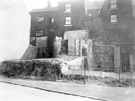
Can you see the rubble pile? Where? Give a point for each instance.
(30, 53)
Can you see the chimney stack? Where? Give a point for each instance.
(48, 3)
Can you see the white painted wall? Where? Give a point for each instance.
(14, 29)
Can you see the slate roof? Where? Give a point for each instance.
(44, 10)
(68, 0)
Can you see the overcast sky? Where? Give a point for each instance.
(36, 4)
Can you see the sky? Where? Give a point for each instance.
(37, 4)
(14, 29)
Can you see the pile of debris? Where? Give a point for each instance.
(30, 53)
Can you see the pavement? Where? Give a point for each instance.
(10, 92)
(91, 91)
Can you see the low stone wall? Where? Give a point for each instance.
(103, 56)
(45, 69)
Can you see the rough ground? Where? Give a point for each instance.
(50, 69)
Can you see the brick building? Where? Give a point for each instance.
(71, 14)
(118, 20)
(54, 21)
(44, 21)
(68, 15)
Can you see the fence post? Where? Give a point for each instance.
(119, 75)
(54, 72)
(85, 67)
(84, 76)
(14, 65)
(131, 76)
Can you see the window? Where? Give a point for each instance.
(68, 8)
(90, 15)
(68, 21)
(40, 19)
(51, 20)
(51, 30)
(113, 4)
(39, 33)
(133, 7)
(113, 18)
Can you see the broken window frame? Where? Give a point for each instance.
(52, 20)
(40, 19)
(39, 33)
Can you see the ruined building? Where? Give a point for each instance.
(68, 15)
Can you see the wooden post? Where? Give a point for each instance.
(85, 68)
(54, 72)
(131, 62)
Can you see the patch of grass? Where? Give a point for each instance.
(113, 82)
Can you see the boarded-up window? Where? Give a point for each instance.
(39, 33)
(40, 19)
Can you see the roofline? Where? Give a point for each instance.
(42, 10)
(102, 8)
(67, 1)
